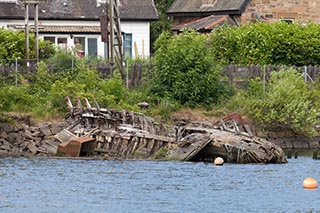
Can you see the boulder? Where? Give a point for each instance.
(45, 130)
(33, 149)
(3, 135)
(14, 138)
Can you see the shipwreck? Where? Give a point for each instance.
(131, 135)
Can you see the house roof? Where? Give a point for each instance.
(60, 29)
(231, 7)
(206, 24)
(130, 10)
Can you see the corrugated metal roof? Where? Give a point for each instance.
(217, 6)
(81, 9)
(205, 24)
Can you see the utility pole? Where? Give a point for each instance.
(26, 31)
(36, 18)
(36, 31)
(111, 27)
(111, 34)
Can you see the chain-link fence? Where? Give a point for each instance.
(135, 72)
(138, 71)
(239, 75)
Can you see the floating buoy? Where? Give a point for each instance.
(218, 161)
(310, 183)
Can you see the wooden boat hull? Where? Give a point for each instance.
(231, 147)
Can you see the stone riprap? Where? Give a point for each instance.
(25, 140)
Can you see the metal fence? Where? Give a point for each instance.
(236, 74)
(137, 72)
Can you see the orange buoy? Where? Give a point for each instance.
(310, 183)
(218, 161)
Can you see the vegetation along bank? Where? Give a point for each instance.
(185, 75)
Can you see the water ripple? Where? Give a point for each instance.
(60, 185)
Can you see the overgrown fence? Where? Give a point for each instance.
(237, 75)
(136, 73)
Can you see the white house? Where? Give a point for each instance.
(76, 24)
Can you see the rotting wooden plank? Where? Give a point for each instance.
(65, 136)
(190, 148)
(155, 137)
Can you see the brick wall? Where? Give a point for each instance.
(273, 10)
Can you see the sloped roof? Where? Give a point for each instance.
(205, 24)
(60, 29)
(235, 7)
(81, 9)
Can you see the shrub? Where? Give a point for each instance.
(12, 46)
(287, 101)
(185, 71)
(265, 43)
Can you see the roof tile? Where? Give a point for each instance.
(196, 6)
(81, 9)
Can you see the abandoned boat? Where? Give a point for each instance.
(123, 134)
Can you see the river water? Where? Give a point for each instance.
(64, 185)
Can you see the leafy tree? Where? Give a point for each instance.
(164, 22)
(12, 46)
(278, 43)
(185, 70)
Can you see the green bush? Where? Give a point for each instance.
(62, 62)
(13, 98)
(12, 46)
(185, 70)
(287, 101)
(265, 43)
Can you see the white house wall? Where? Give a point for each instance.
(140, 34)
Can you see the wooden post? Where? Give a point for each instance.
(136, 49)
(36, 42)
(142, 48)
(315, 153)
(289, 153)
(111, 30)
(26, 23)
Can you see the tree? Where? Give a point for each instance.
(278, 43)
(185, 70)
(164, 22)
(12, 46)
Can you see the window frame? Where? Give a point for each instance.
(127, 48)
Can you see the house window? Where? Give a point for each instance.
(80, 43)
(268, 15)
(127, 38)
(62, 42)
(51, 39)
(288, 20)
(92, 47)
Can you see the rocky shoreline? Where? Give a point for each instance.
(29, 139)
